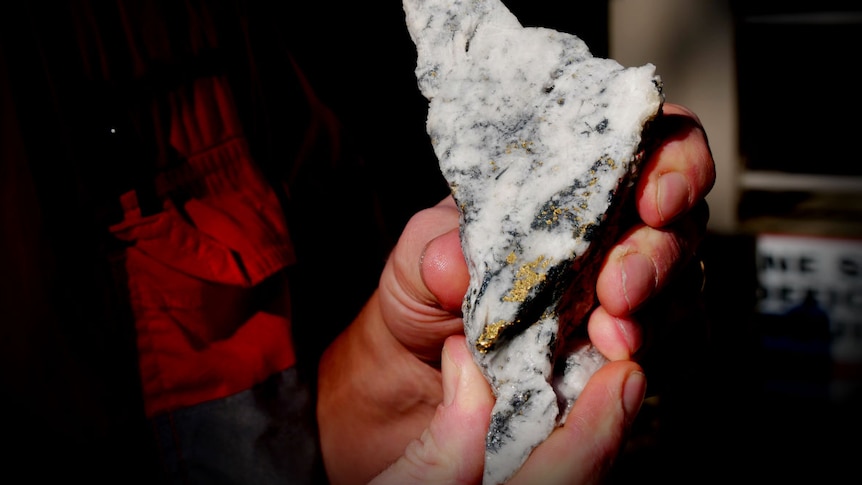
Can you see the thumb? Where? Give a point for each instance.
(452, 448)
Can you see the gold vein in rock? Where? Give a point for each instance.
(490, 334)
(527, 278)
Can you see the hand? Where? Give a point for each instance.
(373, 403)
(657, 249)
(452, 448)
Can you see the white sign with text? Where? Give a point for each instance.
(793, 270)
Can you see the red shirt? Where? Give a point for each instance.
(193, 270)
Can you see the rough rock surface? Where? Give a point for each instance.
(539, 142)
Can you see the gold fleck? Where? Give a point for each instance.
(557, 212)
(490, 335)
(526, 278)
(511, 258)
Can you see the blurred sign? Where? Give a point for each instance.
(816, 281)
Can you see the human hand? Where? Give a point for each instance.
(417, 307)
(452, 448)
(657, 249)
(673, 216)
(421, 303)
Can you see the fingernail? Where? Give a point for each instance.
(624, 331)
(638, 274)
(451, 377)
(633, 394)
(672, 195)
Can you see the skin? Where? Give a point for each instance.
(414, 410)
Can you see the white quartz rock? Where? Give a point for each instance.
(539, 142)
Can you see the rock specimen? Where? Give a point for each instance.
(539, 142)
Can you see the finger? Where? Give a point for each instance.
(679, 172)
(675, 326)
(583, 450)
(414, 311)
(444, 270)
(645, 259)
(452, 449)
(617, 338)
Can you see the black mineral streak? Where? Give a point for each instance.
(498, 432)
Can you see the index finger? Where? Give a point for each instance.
(679, 172)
